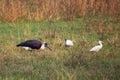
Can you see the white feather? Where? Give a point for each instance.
(42, 47)
(69, 43)
(26, 48)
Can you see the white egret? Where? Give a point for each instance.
(97, 48)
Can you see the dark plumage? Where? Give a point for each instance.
(33, 44)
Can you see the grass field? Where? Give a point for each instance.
(75, 63)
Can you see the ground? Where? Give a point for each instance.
(71, 63)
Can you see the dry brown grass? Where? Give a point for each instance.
(12, 10)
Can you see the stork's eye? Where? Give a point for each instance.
(46, 44)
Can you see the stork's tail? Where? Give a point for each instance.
(17, 45)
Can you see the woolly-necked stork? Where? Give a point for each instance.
(33, 44)
(68, 43)
(98, 47)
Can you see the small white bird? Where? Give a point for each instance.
(98, 47)
(68, 43)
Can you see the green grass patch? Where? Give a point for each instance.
(74, 63)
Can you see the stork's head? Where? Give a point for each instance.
(65, 40)
(46, 46)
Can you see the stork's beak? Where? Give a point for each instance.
(49, 48)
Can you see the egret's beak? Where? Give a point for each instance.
(49, 48)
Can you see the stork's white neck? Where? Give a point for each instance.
(43, 46)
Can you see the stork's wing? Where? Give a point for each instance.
(30, 43)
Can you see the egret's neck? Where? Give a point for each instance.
(100, 43)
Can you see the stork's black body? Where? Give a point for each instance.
(33, 44)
